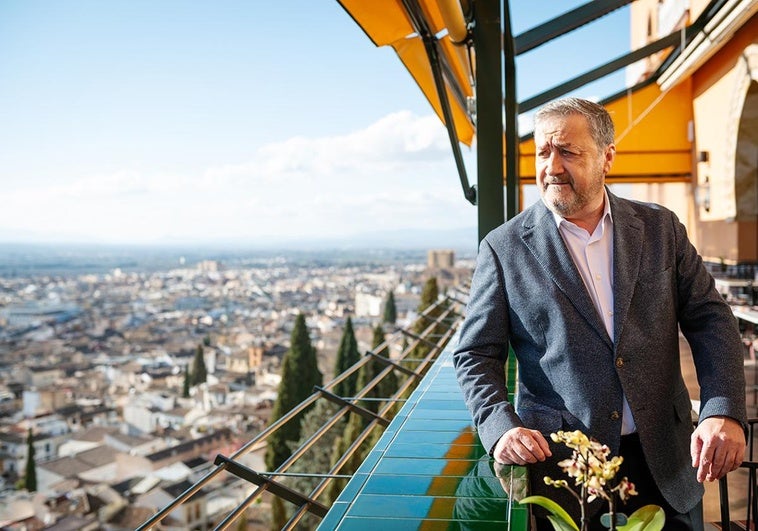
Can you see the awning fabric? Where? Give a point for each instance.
(652, 126)
(387, 23)
(413, 55)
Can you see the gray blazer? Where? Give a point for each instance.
(527, 292)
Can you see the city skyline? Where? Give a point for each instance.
(143, 123)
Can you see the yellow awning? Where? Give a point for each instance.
(383, 21)
(413, 55)
(387, 23)
(652, 126)
(652, 140)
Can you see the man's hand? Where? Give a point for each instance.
(717, 447)
(521, 446)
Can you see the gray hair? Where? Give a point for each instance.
(600, 122)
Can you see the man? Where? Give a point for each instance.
(590, 292)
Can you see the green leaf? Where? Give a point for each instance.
(560, 525)
(647, 518)
(561, 520)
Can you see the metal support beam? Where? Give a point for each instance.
(362, 411)
(436, 64)
(433, 318)
(388, 361)
(456, 299)
(565, 23)
(419, 338)
(241, 471)
(489, 115)
(600, 71)
(511, 119)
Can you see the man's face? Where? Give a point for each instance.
(570, 168)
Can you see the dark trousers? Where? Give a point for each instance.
(635, 468)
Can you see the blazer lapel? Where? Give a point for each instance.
(541, 237)
(628, 235)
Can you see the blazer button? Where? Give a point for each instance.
(619, 362)
(615, 415)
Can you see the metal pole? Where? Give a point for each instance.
(511, 118)
(489, 115)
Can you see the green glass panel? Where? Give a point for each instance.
(395, 506)
(370, 462)
(462, 509)
(447, 404)
(441, 414)
(396, 524)
(436, 425)
(436, 467)
(467, 435)
(430, 472)
(433, 451)
(333, 517)
(352, 488)
(412, 485)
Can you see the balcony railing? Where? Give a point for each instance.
(427, 336)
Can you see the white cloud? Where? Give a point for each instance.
(389, 144)
(396, 173)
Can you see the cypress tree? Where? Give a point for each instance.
(242, 522)
(30, 476)
(367, 373)
(300, 374)
(390, 310)
(357, 423)
(377, 339)
(186, 384)
(318, 459)
(429, 295)
(353, 428)
(389, 383)
(279, 514)
(199, 372)
(347, 356)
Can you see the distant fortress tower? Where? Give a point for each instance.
(440, 259)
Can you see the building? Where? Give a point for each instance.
(718, 75)
(368, 305)
(440, 259)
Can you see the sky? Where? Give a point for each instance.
(249, 122)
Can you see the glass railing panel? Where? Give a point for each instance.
(431, 471)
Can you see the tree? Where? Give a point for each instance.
(347, 356)
(242, 522)
(353, 428)
(318, 459)
(279, 514)
(30, 476)
(300, 374)
(199, 372)
(390, 310)
(187, 383)
(429, 295)
(367, 373)
(389, 383)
